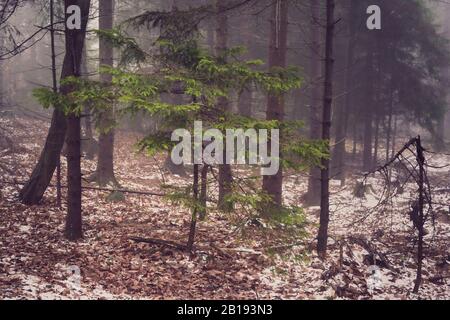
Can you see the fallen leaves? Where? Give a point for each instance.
(35, 258)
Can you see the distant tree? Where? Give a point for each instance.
(273, 185)
(225, 174)
(339, 155)
(105, 161)
(400, 74)
(322, 237)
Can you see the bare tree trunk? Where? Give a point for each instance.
(339, 152)
(313, 194)
(105, 163)
(368, 128)
(394, 137)
(203, 191)
(377, 132)
(225, 173)
(322, 237)
(389, 123)
(245, 96)
(273, 185)
(193, 226)
(55, 90)
(355, 138)
(74, 48)
(34, 189)
(420, 218)
(88, 145)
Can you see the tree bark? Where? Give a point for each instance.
(225, 173)
(420, 218)
(55, 90)
(394, 137)
(368, 113)
(339, 152)
(245, 96)
(74, 49)
(88, 145)
(389, 122)
(203, 191)
(273, 185)
(34, 189)
(193, 226)
(322, 237)
(376, 142)
(105, 162)
(313, 194)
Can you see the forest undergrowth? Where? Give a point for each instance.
(237, 255)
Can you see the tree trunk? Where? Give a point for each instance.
(55, 90)
(225, 173)
(245, 102)
(74, 49)
(368, 129)
(389, 122)
(313, 194)
(88, 145)
(420, 218)
(273, 185)
(105, 163)
(322, 237)
(377, 132)
(203, 191)
(195, 185)
(245, 96)
(394, 137)
(34, 189)
(339, 152)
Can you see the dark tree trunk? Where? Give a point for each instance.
(203, 191)
(322, 237)
(368, 114)
(273, 185)
(394, 137)
(195, 185)
(88, 145)
(377, 132)
(313, 194)
(420, 218)
(339, 152)
(225, 173)
(245, 96)
(55, 90)
(34, 189)
(245, 102)
(389, 123)
(74, 220)
(74, 49)
(355, 138)
(105, 165)
(439, 136)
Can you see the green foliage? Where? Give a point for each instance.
(182, 196)
(131, 52)
(152, 144)
(180, 66)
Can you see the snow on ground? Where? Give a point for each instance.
(233, 261)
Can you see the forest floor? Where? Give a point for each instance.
(233, 260)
